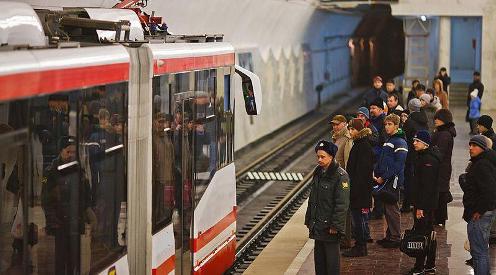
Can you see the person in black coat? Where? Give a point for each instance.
(417, 120)
(360, 167)
(479, 201)
(443, 138)
(425, 193)
(476, 84)
(444, 77)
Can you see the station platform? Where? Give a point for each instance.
(291, 252)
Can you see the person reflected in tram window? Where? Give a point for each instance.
(105, 179)
(163, 169)
(66, 204)
(202, 142)
(117, 122)
(52, 124)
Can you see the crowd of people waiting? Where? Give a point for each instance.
(409, 147)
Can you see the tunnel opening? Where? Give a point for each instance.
(377, 46)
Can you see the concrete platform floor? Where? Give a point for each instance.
(291, 252)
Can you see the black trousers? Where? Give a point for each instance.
(425, 226)
(326, 258)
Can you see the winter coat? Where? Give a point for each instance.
(360, 167)
(391, 162)
(474, 110)
(430, 111)
(443, 138)
(443, 99)
(372, 94)
(343, 140)
(416, 121)
(397, 110)
(479, 187)
(490, 134)
(475, 85)
(425, 187)
(328, 203)
(378, 123)
(163, 158)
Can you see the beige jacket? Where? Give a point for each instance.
(344, 142)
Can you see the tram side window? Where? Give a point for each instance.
(102, 149)
(164, 172)
(224, 116)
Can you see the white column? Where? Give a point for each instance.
(444, 42)
(488, 62)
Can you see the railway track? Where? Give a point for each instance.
(265, 206)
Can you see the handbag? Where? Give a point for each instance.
(388, 191)
(415, 244)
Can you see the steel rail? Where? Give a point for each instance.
(266, 221)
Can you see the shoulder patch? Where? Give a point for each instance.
(345, 184)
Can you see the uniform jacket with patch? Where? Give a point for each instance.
(328, 203)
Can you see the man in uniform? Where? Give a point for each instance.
(327, 208)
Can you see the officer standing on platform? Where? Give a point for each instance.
(327, 208)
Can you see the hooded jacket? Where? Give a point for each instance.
(430, 111)
(479, 186)
(360, 167)
(443, 138)
(425, 187)
(343, 140)
(391, 162)
(328, 203)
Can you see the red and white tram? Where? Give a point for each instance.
(116, 159)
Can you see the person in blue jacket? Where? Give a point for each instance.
(390, 167)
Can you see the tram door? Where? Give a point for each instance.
(184, 181)
(14, 164)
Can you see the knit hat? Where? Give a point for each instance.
(480, 141)
(426, 97)
(485, 121)
(356, 124)
(364, 111)
(444, 115)
(414, 105)
(378, 102)
(66, 141)
(327, 146)
(423, 136)
(338, 119)
(377, 78)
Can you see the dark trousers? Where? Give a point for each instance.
(326, 258)
(66, 251)
(441, 213)
(360, 226)
(378, 211)
(407, 186)
(424, 226)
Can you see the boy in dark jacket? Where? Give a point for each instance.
(425, 195)
(417, 120)
(360, 167)
(443, 138)
(485, 127)
(479, 201)
(390, 167)
(328, 206)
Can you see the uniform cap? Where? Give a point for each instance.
(327, 147)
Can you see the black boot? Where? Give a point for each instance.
(356, 251)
